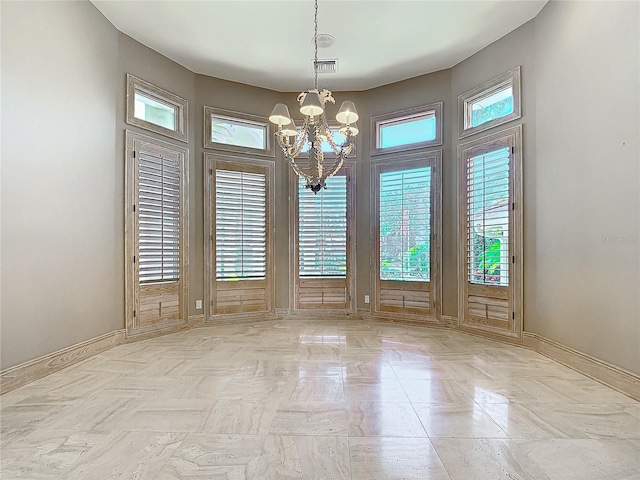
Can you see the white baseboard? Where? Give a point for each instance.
(196, 320)
(611, 375)
(27, 372)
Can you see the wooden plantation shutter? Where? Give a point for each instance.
(240, 212)
(406, 232)
(241, 225)
(156, 244)
(158, 218)
(322, 244)
(490, 233)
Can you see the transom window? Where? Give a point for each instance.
(406, 130)
(491, 104)
(237, 132)
(155, 109)
(242, 133)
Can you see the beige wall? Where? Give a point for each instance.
(63, 279)
(62, 235)
(581, 290)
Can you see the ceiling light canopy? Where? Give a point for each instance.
(315, 129)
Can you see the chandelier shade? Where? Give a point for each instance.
(280, 115)
(290, 130)
(347, 113)
(311, 106)
(315, 130)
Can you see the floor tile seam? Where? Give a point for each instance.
(444, 467)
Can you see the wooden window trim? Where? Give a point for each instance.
(349, 168)
(211, 160)
(180, 105)
(465, 100)
(134, 143)
(511, 137)
(380, 120)
(404, 162)
(268, 151)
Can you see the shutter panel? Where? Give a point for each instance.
(322, 245)
(158, 219)
(488, 203)
(241, 239)
(487, 255)
(241, 225)
(404, 224)
(322, 229)
(158, 238)
(489, 234)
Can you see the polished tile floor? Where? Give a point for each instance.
(319, 399)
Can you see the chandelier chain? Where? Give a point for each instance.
(315, 43)
(315, 130)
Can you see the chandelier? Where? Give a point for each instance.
(315, 129)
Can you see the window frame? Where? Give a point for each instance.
(409, 161)
(403, 116)
(267, 151)
(466, 100)
(211, 160)
(136, 142)
(348, 169)
(179, 104)
(511, 137)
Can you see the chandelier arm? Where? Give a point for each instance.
(333, 145)
(296, 169)
(333, 169)
(289, 155)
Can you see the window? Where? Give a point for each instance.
(322, 229)
(405, 224)
(406, 228)
(488, 217)
(239, 198)
(158, 218)
(491, 104)
(418, 127)
(156, 243)
(241, 228)
(155, 109)
(237, 132)
(338, 139)
(322, 245)
(491, 233)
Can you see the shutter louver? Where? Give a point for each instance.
(488, 207)
(158, 219)
(241, 230)
(322, 230)
(405, 225)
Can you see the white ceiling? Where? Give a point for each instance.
(268, 43)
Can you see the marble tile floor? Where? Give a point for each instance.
(319, 399)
